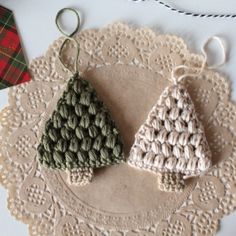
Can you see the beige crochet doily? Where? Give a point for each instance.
(129, 68)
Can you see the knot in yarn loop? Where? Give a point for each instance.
(175, 78)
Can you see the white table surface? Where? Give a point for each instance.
(35, 20)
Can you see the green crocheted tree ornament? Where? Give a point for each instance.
(80, 133)
(80, 136)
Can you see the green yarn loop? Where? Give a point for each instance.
(80, 132)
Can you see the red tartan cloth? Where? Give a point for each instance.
(13, 68)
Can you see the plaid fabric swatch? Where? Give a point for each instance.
(13, 68)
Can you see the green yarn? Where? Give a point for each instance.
(80, 132)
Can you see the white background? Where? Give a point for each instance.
(35, 20)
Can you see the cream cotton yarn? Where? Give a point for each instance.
(172, 141)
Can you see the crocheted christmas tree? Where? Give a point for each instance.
(80, 135)
(172, 142)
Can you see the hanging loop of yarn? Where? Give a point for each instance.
(76, 69)
(69, 37)
(59, 26)
(176, 78)
(223, 49)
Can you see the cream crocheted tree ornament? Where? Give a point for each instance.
(172, 141)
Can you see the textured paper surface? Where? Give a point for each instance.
(129, 68)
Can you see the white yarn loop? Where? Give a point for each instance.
(223, 48)
(177, 78)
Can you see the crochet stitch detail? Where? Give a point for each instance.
(170, 182)
(172, 139)
(80, 133)
(80, 176)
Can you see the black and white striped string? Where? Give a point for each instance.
(187, 13)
